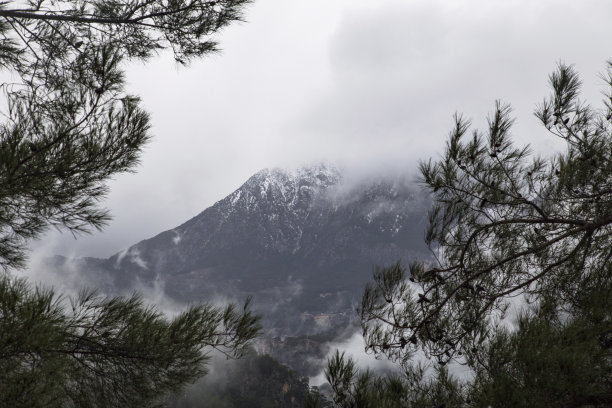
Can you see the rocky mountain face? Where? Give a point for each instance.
(302, 244)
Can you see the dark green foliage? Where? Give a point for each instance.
(69, 125)
(255, 381)
(93, 351)
(551, 360)
(356, 388)
(557, 355)
(503, 225)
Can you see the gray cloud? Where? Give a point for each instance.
(401, 70)
(371, 85)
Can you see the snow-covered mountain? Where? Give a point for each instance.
(301, 242)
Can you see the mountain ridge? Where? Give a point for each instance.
(300, 242)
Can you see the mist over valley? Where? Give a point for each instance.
(302, 243)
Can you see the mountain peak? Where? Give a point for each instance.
(320, 175)
(294, 239)
(294, 189)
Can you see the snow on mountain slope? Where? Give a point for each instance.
(297, 241)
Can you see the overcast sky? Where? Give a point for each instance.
(369, 84)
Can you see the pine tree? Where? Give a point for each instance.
(502, 225)
(70, 126)
(505, 224)
(95, 351)
(557, 355)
